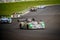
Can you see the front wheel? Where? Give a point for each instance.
(20, 25)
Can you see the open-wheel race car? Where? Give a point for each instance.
(33, 9)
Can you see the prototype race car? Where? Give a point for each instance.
(5, 20)
(32, 25)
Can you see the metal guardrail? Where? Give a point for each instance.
(7, 1)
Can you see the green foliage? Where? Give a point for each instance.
(9, 8)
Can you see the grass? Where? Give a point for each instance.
(10, 8)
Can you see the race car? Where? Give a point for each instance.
(31, 25)
(33, 9)
(5, 20)
(41, 6)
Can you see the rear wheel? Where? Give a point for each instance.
(27, 26)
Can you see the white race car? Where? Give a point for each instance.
(5, 20)
(41, 6)
(25, 25)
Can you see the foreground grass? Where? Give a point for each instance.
(9, 8)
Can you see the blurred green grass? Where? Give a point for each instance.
(9, 8)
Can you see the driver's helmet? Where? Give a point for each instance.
(29, 20)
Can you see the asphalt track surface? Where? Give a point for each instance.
(51, 16)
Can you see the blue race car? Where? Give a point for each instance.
(5, 20)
